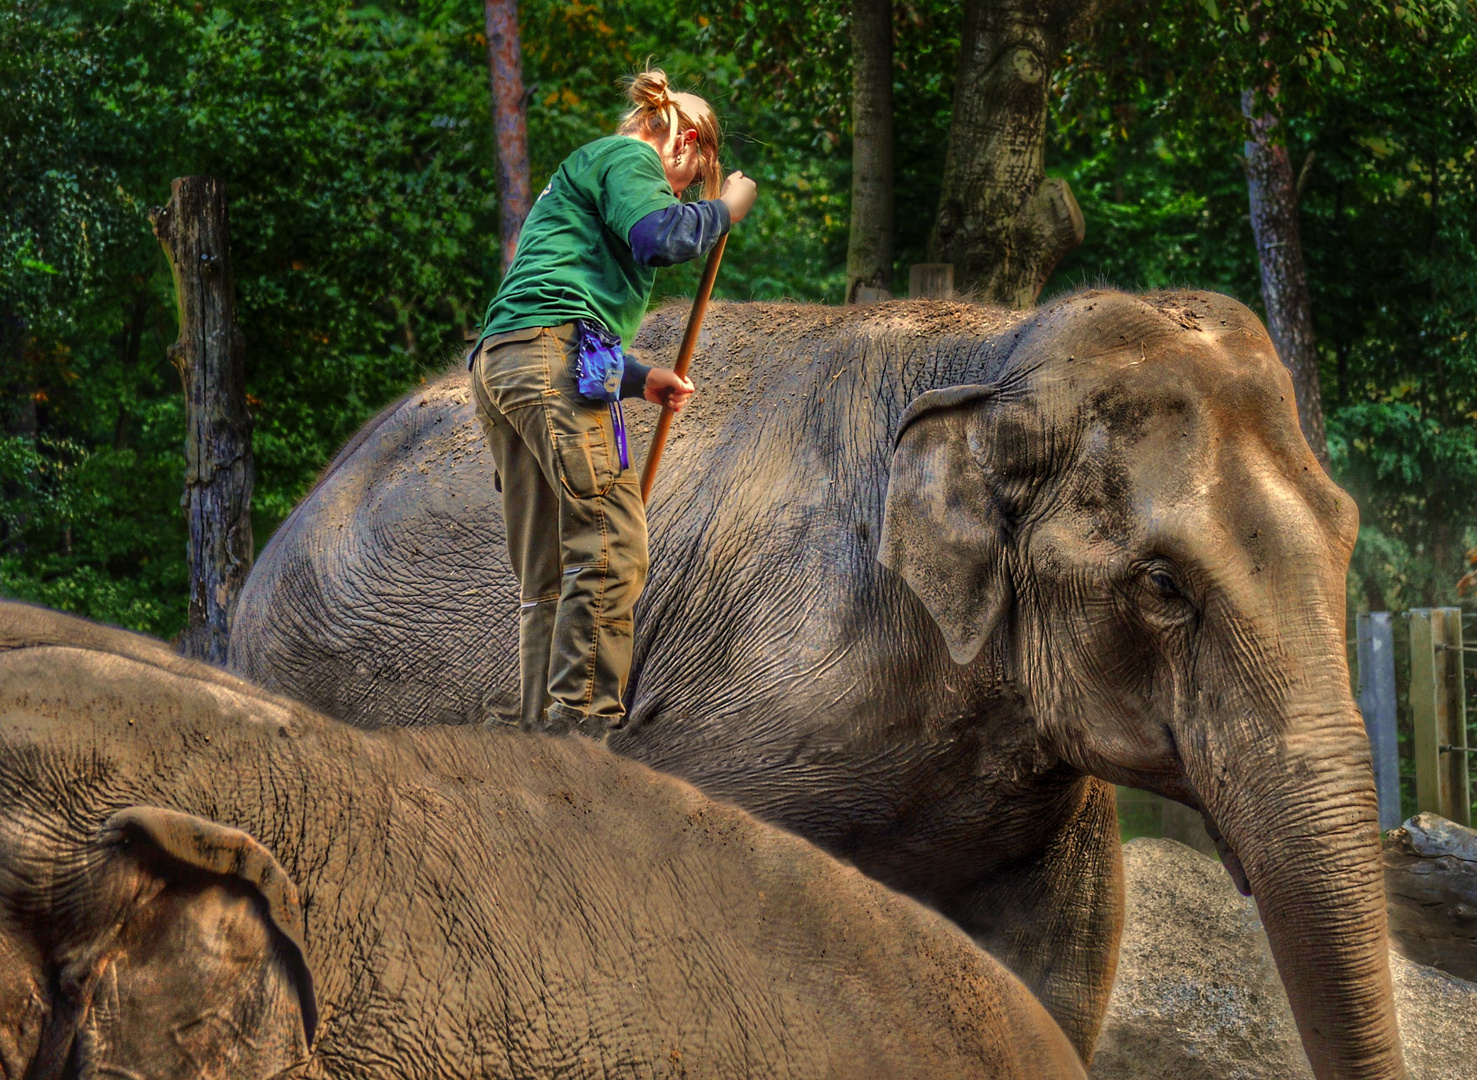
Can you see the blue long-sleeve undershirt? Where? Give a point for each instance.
(681, 232)
(633, 378)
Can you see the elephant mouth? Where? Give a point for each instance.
(1229, 859)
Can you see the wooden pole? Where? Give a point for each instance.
(1376, 637)
(1439, 714)
(684, 361)
(210, 355)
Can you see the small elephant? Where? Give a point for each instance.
(928, 579)
(199, 879)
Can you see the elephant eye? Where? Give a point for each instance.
(1167, 598)
(1164, 584)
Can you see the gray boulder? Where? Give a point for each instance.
(1198, 998)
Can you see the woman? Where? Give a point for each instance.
(548, 362)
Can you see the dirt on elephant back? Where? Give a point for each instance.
(753, 355)
(748, 355)
(767, 354)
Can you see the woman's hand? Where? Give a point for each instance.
(665, 387)
(739, 193)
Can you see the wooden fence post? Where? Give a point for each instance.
(1438, 710)
(1376, 636)
(193, 230)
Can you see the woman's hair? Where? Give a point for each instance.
(654, 111)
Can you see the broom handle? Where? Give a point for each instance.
(684, 360)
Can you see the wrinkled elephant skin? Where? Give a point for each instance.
(198, 879)
(928, 578)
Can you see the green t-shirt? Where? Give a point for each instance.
(574, 253)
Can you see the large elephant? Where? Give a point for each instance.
(928, 578)
(198, 879)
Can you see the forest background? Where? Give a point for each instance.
(357, 145)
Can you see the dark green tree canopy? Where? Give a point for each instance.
(356, 142)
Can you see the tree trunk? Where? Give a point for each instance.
(510, 119)
(1001, 222)
(869, 254)
(1274, 224)
(193, 230)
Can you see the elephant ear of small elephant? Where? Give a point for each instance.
(942, 529)
(236, 921)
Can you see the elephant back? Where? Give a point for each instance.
(387, 596)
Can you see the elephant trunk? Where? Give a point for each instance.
(1298, 807)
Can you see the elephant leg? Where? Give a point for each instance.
(1055, 919)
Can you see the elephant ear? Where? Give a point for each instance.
(944, 526)
(192, 961)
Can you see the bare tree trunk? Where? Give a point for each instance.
(869, 254)
(1272, 190)
(210, 355)
(510, 119)
(1001, 221)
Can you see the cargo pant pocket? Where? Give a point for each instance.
(583, 447)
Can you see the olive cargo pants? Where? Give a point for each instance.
(576, 529)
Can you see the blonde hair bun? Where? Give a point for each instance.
(649, 89)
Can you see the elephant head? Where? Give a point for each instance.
(179, 953)
(1129, 523)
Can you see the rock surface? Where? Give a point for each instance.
(1198, 997)
(1431, 889)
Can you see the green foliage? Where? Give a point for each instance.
(355, 150)
(356, 144)
(1397, 209)
(95, 542)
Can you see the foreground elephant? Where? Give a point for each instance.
(927, 579)
(201, 880)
